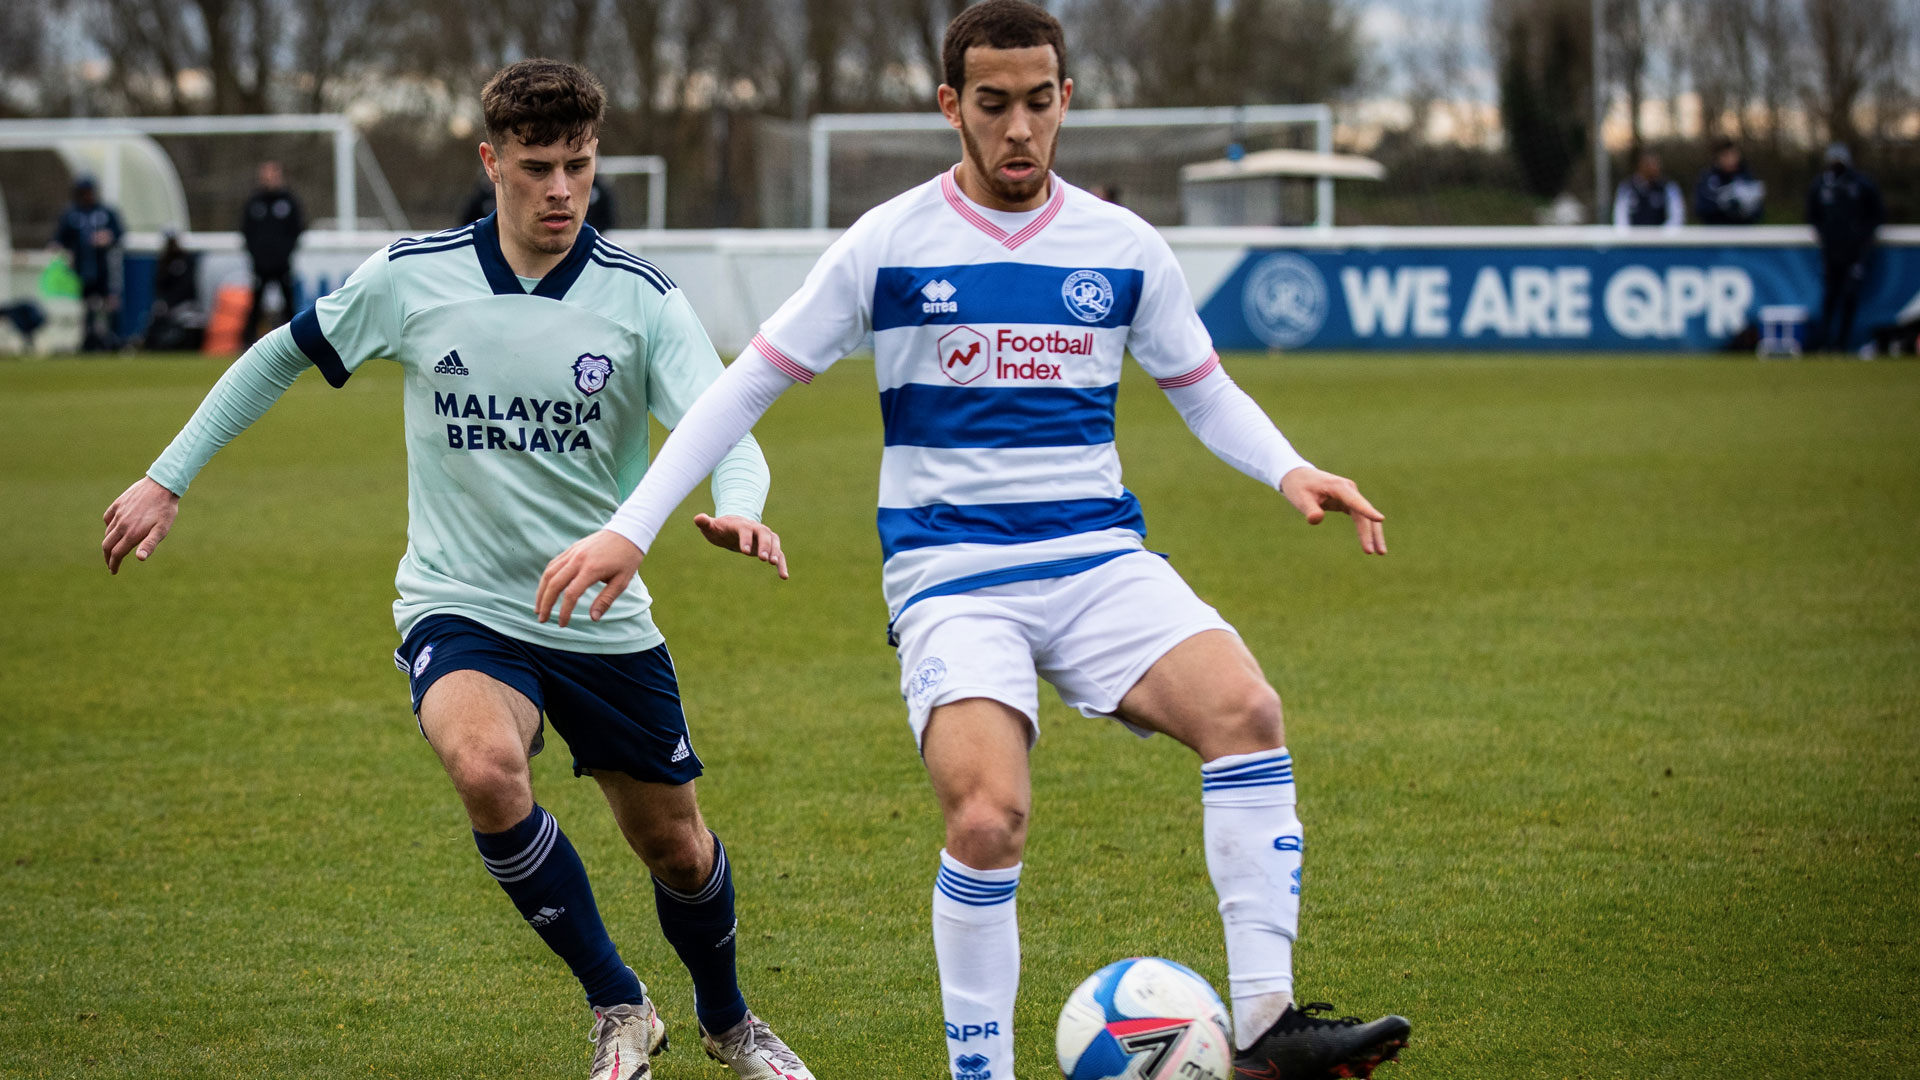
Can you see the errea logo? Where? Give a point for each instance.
(940, 301)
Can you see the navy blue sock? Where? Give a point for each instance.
(700, 927)
(543, 876)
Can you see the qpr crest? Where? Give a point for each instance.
(1285, 301)
(1089, 295)
(590, 373)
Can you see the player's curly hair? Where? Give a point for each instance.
(1000, 24)
(541, 102)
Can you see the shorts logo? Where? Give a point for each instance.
(1284, 301)
(964, 354)
(590, 373)
(1089, 295)
(420, 663)
(971, 1067)
(681, 752)
(926, 679)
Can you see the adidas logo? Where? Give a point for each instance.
(939, 294)
(681, 752)
(546, 915)
(450, 365)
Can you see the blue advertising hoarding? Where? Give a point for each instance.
(1433, 297)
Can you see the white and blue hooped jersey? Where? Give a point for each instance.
(998, 340)
(526, 407)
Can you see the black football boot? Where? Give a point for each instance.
(1303, 1045)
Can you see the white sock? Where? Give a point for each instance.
(1253, 855)
(976, 938)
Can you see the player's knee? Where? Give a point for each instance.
(1251, 720)
(987, 832)
(490, 778)
(678, 856)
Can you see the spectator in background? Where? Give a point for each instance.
(178, 322)
(1727, 193)
(271, 223)
(1648, 198)
(601, 212)
(480, 202)
(89, 233)
(1845, 211)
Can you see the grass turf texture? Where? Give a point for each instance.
(1610, 769)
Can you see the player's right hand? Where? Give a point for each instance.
(606, 556)
(140, 518)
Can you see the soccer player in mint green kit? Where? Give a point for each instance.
(533, 350)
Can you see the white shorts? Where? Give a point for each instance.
(1092, 635)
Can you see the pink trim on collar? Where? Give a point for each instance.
(964, 207)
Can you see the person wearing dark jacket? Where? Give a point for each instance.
(178, 321)
(1648, 198)
(89, 232)
(271, 223)
(1727, 193)
(1845, 210)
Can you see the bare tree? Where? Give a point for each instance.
(1854, 43)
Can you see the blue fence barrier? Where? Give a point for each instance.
(1641, 297)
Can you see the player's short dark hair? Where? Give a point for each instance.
(542, 102)
(1000, 24)
(1722, 144)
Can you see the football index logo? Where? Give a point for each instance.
(964, 354)
(450, 365)
(590, 373)
(940, 299)
(1089, 295)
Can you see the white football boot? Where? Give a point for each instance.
(754, 1052)
(625, 1038)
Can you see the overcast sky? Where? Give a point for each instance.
(1397, 29)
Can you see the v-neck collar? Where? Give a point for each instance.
(950, 188)
(500, 276)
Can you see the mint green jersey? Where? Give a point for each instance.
(526, 409)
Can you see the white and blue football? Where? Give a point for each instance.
(1144, 1019)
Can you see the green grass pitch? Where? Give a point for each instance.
(1612, 768)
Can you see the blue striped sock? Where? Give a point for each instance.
(543, 876)
(701, 927)
(976, 939)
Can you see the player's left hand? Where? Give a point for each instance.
(1314, 491)
(606, 556)
(746, 536)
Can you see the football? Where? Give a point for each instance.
(1143, 1019)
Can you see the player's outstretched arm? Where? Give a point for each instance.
(1232, 425)
(1314, 491)
(713, 426)
(143, 514)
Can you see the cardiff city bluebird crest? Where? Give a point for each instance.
(590, 373)
(1089, 295)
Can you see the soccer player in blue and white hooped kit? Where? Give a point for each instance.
(1001, 300)
(533, 351)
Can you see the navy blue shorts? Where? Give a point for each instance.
(618, 712)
